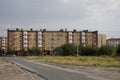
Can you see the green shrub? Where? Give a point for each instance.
(89, 51)
(65, 50)
(58, 51)
(71, 50)
(34, 51)
(118, 50)
(11, 52)
(68, 50)
(107, 50)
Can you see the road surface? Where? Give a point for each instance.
(52, 72)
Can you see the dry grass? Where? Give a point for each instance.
(105, 61)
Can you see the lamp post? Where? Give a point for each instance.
(77, 49)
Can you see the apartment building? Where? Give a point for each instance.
(53, 39)
(29, 39)
(89, 38)
(113, 42)
(19, 40)
(15, 40)
(85, 38)
(47, 41)
(101, 40)
(3, 43)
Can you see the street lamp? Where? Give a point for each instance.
(77, 50)
(78, 47)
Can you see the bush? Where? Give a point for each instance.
(25, 53)
(65, 50)
(118, 50)
(58, 51)
(89, 51)
(34, 51)
(11, 52)
(1, 51)
(107, 50)
(71, 50)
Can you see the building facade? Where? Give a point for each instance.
(19, 40)
(113, 42)
(15, 40)
(3, 43)
(101, 40)
(47, 41)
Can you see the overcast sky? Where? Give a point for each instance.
(101, 15)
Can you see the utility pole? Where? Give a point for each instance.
(77, 49)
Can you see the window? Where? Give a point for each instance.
(39, 34)
(52, 47)
(52, 38)
(52, 34)
(39, 39)
(25, 43)
(25, 38)
(60, 35)
(25, 34)
(51, 43)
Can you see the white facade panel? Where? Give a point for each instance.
(25, 45)
(83, 33)
(39, 33)
(3, 47)
(70, 37)
(39, 39)
(3, 44)
(3, 40)
(83, 40)
(83, 37)
(25, 32)
(25, 39)
(40, 45)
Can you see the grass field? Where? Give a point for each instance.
(104, 61)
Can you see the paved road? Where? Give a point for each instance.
(51, 72)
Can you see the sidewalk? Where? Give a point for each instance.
(10, 71)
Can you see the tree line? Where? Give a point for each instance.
(70, 50)
(30, 52)
(73, 50)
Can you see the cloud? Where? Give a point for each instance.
(80, 14)
(101, 10)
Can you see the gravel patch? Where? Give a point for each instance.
(10, 71)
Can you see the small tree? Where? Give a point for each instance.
(37, 51)
(107, 50)
(68, 50)
(80, 48)
(11, 52)
(58, 51)
(1, 51)
(25, 52)
(34, 51)
(118, 50)
(89, 51)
